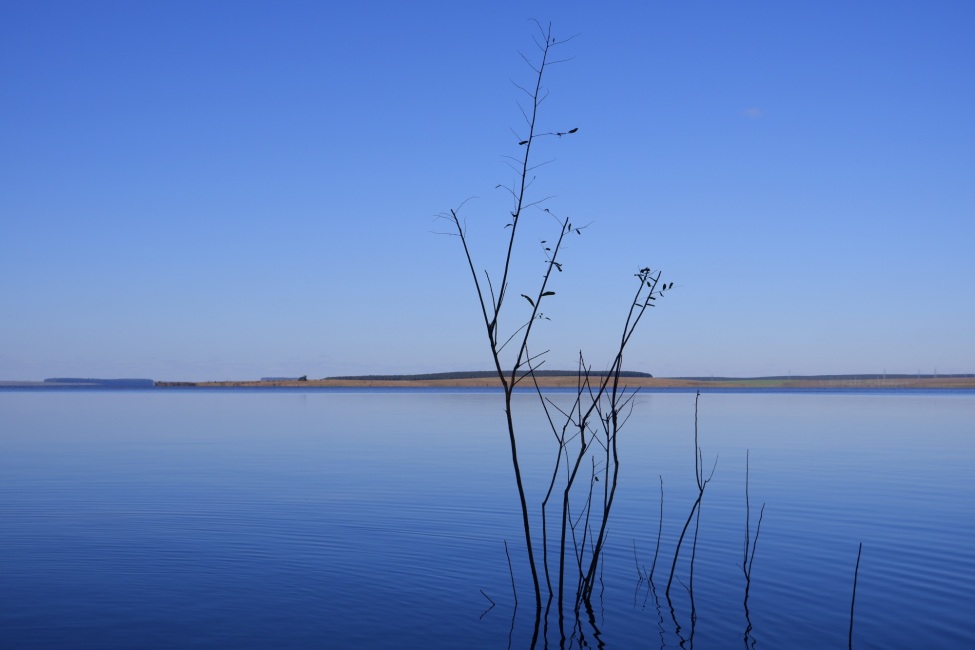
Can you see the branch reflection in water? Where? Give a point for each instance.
(580, 623)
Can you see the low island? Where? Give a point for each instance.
(569, 379)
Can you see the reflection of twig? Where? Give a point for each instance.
(690, 579)
(511, 572)
(636, 560)
(596, 633)
(854, 599)
(488, 597)
(673, 617)
(489, 608)
(660, 614)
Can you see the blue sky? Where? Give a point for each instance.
(230, 190)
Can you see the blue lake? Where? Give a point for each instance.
(367, 518)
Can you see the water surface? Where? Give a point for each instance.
(371, 518)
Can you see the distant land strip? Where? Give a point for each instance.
(547, 379)
(569, 379)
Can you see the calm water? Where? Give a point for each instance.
(344, 518)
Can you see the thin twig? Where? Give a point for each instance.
(660, 530)
(853, 600)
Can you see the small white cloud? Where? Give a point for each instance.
(753, 113)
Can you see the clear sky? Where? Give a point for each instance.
(230, 190)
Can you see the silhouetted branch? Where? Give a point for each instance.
(578, 437)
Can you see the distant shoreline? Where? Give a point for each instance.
(552, 379)
(571, 382)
